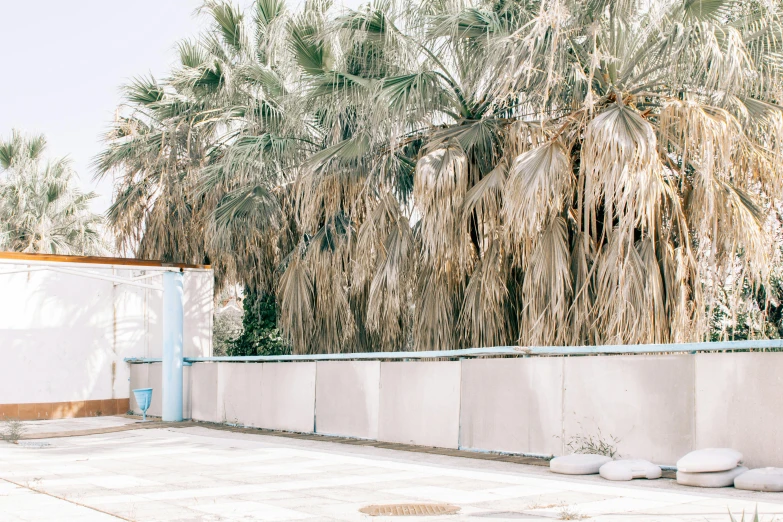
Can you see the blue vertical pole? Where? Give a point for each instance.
(173, 311)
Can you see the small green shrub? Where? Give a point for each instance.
(13, 430)
(755, 516)
(227, 328)
(260, 335)
(594, 445)
(567, 514)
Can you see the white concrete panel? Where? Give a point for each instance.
(347, 398)
(739, 405)
(239, 393)
(288, 396)
(186, 393)
(512, 405)
(204, 392)
(139, 378)
(155, 381)
(420, 403)
(644, 401)
(151, 376)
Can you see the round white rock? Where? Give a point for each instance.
(578, 464)
(714, 479)
(630, 469)
(709, 460)
(761, 479)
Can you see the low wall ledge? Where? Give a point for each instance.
(505, 351)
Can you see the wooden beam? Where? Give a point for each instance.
(93, 260)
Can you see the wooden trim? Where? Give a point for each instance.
(92, 260)
(64, 410)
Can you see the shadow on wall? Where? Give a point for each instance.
(197, 321)
(63, 340)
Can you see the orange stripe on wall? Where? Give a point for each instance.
(64, 410)
(91, 260)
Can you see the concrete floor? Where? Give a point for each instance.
(36, 428)
(202, 474)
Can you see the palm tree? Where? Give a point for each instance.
(437, 175)
(41, 208)
(171, 141)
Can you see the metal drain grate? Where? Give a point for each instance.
(407, 510)
(32, 444)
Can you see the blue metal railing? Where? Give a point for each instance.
(519, 351)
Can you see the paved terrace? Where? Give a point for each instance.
(105, 469)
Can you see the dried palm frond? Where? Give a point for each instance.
(539, 187)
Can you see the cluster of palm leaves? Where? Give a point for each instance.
(447, 173)
(42, 209)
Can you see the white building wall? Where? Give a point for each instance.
(63, 337)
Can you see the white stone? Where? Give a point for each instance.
(578, 464)
(630, 469)
(709, 460)
(714, 479)
(761, 479)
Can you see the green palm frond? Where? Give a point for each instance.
(266, 11)
(371, 23)
(346, 151)
(742, 519)
(252, 205)
(144, 91)
(420, 90)
(310, 53)
(229, 21)
(469, 23)
(191, 54)
(713, 10)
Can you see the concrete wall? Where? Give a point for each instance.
(512, 405)
(658, 407)
(646, 402)
(288, 396)
(274, 396)
(63, 337)
(420, 403)
(239, 391)
(347, 398)
(739, 404)
(204, 392)
(151, 376)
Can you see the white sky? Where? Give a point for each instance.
(63, 63)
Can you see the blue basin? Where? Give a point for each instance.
(143, 399)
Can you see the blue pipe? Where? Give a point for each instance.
(501, 350)
(173, 312)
